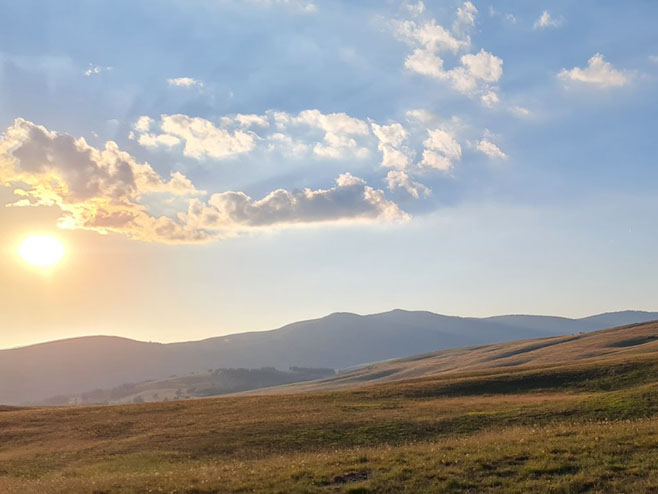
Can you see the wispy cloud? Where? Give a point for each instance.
(95, 70)
(185, 82)
(487, 147)
(545, 20)
(398, 179)
(520, 111)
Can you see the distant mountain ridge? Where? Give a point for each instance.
(340, 340)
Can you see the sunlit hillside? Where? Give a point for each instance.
(585, 422)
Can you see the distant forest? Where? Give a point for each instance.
(197, 385)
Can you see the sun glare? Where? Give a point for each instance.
(41, 250)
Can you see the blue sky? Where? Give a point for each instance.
(215, 166)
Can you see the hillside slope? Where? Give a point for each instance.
(337, 341)
(614, 343)
(584, 423)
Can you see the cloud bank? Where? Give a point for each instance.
(104, 190)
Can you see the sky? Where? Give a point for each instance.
(218, 166)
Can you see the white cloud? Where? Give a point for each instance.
(328, 136)
(489, 99)
(438, 161)
(545, 21)
(476, 73)
(483, 65)
(429, 35)
(201, 138)
(185, 82)
(490, 149)
(398, 179)
(287, 146)
(143, 124)
(426, 63)
(311, 133)
(471, 78)
(441, 150)
(339, 132)
(247, 121)
(444, 142)
(421, 115)
(391, 143)
(95, 70)
(156, 141)
(597, 73)
(653, 58)
(465, 18)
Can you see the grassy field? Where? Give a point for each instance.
(586, 426)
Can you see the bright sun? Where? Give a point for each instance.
(41, 250)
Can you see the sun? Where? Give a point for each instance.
(41, 250)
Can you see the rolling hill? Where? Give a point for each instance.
(624, 342)
(561, 415)
(338, 341)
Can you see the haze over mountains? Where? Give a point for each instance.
(338, 341)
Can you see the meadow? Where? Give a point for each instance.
(586, 426)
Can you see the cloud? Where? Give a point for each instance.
(441, 150)
(251, 120)
(202, 138)
(490, 149)
(96, 189)
(476, 73)
(465, 18)
(185, 82)
(327, 136)
(416, 9)
(520, 111)
(653, 58)
(483, 65)
(339, 131)
(509, 17)
(431, 36)
(597, 73)
(95, 70)
(143, 124)
(545, 21)
(391, 143)
(106, 190)
(421, 115)
(398, 179)
(350, 200)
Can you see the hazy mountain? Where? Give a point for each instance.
(337, 341)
